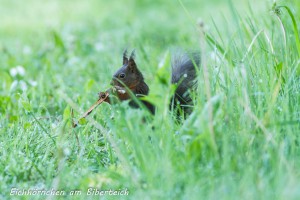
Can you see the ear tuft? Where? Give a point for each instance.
(125, 57)
(131, 62)
(132, 55)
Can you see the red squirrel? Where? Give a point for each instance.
(184, 73)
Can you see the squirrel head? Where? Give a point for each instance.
(128, 75)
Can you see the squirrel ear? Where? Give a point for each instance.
(131, 62)
(132, 55)
(125, 59)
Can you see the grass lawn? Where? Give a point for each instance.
(240, 142)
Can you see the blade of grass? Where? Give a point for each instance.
(295, 27)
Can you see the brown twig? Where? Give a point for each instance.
(102, 98)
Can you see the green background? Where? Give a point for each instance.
(241, 141)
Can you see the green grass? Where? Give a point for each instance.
(240, 142)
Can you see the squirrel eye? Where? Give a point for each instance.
(122, 75)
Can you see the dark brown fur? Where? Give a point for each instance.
(184, 74)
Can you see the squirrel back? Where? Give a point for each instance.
(184, 74)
